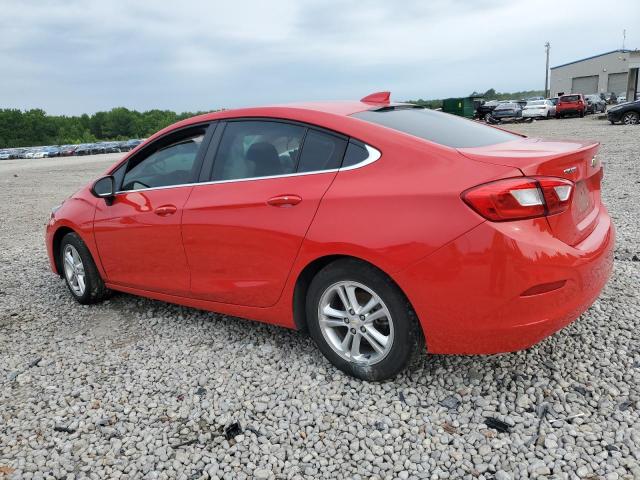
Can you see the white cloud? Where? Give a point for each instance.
(76, 56)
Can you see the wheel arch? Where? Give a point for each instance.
(55, 245)
(306, 276)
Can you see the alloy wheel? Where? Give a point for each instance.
(630, 118)
(74, 270)
(355, 322)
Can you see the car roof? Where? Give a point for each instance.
(303, 110)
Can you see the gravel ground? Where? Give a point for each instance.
(135, 388)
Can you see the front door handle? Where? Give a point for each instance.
(165, 210)
(284, 200)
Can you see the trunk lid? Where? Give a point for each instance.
(574, 160)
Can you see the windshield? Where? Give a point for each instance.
(570, 98)
(445, 129)
(536, 102)
(506, 106)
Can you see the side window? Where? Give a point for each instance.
(321, 151)
(356, 153)
(171, 163)
(253, 149)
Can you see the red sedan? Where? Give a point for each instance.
(376, 226)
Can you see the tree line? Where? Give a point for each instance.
(34, 127)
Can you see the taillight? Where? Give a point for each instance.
(520, 198)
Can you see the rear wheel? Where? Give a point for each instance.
(361, 321)
(80, 271)
(631, 118)
(582, 114)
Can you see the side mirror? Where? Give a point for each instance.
(105, 187)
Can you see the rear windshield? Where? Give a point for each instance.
(570, 98)
(437, 127)
(536, 102)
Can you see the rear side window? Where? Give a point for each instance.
(321, 151)
(356, 153)
(437, 127)
(254, 148)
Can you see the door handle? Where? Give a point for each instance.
(165, 210)
(284, 200)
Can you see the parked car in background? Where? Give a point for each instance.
(68, 150)
(539, 109)
(627, 113)
(84, 149)
(5, 155)
(531, 99)
(483, 112)
(52, 151)
(572, 104)
(622, 98)
(506, 112)
(595, 104)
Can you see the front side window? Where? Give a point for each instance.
(438, 127)
(171, 163)
(255, 148)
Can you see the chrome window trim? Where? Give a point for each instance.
(374, 154)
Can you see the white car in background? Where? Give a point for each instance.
(539, 109)
(622, 98)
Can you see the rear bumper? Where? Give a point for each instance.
(534, 114)
(468, 295)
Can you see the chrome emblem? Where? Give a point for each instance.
(594, 161)
(570, 170)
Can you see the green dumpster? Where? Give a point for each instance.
(459, 106)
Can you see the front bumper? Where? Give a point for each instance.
(469, 294)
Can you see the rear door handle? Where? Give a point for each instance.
(284, 200)
(165, 210)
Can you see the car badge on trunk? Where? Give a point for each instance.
(571, 170)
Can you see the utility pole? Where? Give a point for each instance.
(624, 37)
(547, 47)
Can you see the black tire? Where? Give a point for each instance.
(94, 288)
(582, 114)
(407, 335)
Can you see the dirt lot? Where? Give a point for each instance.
(135, 388)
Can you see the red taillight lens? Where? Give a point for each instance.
(520, 198)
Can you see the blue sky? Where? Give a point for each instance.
(77, 56)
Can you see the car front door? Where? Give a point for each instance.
(242, 230)
(139, 234)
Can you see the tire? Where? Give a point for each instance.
(82, 279)
(582, 114)
(396, 321)
(631, 118)
(487, 117)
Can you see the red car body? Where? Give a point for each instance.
(571, 104)
(245, 248)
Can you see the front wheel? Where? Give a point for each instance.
(631, 118)
(361, 321)
(80, 271)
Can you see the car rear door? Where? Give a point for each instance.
(139, 234)
(242, 230)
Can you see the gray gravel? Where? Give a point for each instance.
(135, 388)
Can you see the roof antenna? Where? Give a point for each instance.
(378, 97)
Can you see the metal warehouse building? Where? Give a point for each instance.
(607, 72)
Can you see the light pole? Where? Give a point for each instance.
(547, 47)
